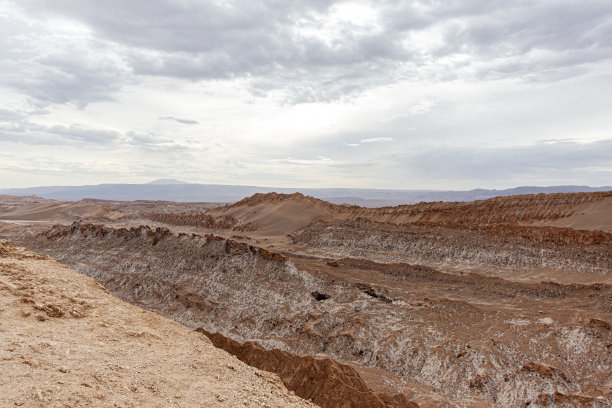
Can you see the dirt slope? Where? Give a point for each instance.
(532, 254)
(585, 210)
(57, 211)
(278, 214)
(324, 381)
(6, 199)
(66, 342)
(597, 216)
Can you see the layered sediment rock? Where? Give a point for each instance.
(193, 219)
(323, 381)
(450, 246)
(464, 340)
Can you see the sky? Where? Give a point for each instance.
(321, 93)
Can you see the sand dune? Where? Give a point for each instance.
(279, 214)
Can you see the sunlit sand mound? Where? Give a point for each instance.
(67, 342)
(592, 216)
(278, 214)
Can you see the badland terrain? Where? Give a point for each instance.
(504, 302)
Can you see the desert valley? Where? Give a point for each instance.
(505, 302)
(316, 203)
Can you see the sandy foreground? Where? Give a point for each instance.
(67, 342)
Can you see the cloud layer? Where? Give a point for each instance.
(403, 94)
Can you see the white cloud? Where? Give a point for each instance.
(180, 120)
(318, 92)
(377, 140)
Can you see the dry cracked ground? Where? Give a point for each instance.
(504, 302)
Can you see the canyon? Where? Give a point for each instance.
(505, 302)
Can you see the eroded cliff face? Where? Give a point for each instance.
(192, 219)
(324, 381)
(456, 340)
(509, 251)
(520, 209)
(524, 210)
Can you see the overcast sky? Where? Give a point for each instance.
(381, 94)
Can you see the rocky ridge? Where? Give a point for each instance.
(438, 333)
(193, 219)
(521, 209)
(323, 381)
(532, 253)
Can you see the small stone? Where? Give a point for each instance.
(221, 398)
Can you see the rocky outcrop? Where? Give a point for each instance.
(554, 235)
(193, 219)
(498, 210)
(323, 381)
(494, 247)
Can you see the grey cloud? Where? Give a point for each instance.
(74, 135)
(333, 83)
(78, 133)
(36, 134)
(179, 120)
(266, 42)
(153, 143)
(260, 40)
(146, 139)
(190, 26)
(562, 159)
(30, 139)
(96, 171)
(516, 39)
(320, 160)
(8, 115)
(547, 162)
(55, 68)
(49, 167)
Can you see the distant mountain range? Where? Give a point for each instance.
(175, 190)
